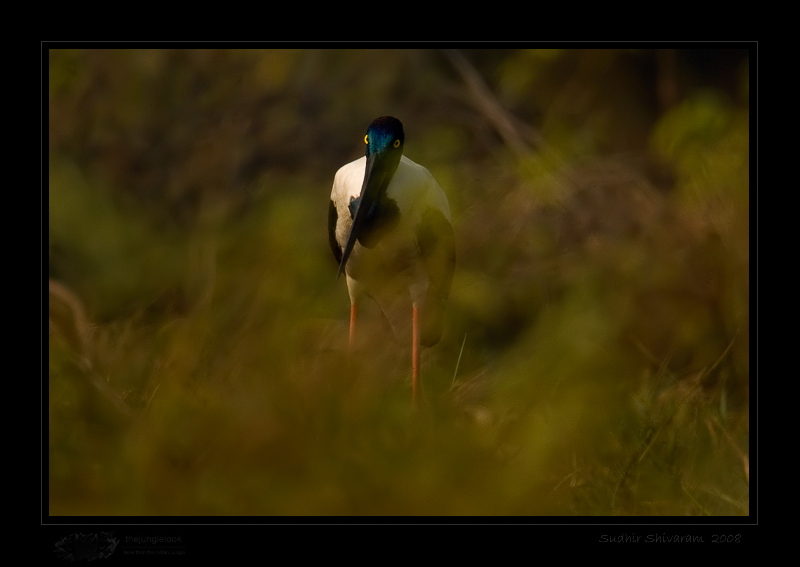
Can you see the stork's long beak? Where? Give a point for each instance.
(377, 175)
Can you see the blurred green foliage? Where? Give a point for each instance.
(596, 353)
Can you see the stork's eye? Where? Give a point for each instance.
(366, 139)
(397, 143)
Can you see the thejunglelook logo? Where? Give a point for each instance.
(86, 546)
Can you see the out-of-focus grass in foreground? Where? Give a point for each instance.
(596, 353)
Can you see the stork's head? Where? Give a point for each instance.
(385, 138)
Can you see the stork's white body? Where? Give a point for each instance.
(403, 279)
(390, 231)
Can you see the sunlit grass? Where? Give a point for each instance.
(248, 403)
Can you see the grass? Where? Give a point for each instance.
(245, 402)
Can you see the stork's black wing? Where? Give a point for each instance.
(333, 218)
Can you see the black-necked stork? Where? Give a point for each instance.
(390, 231)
